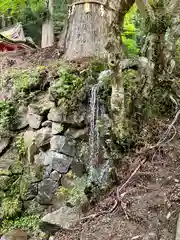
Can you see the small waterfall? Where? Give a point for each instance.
(94, 138)
(94, 133)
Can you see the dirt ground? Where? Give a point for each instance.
(149, 208)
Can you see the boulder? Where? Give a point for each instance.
(43, 136)
(42, 105)
(65, 217)
(47, 171)
(55, 176)
(28, 137)
(58, 115)
(32, 192)
(60, 162)
(49, 228)
(4, 143)
(46, 191)
(47, 124)
(22, 119)
(77, 133)
(32, 206)
(39, 158)
(34, 120)
(53, 161)
(61, 144)
(57, 128)
(33, 108)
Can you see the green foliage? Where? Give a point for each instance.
(59, 15)
(74, 194)
(18, 9)
(4, 180)
(10, 207)
(68, 89)
(26, 222)
(129, 36)
(20, 145)
(96, 66)
(24, 79)
(8, 115)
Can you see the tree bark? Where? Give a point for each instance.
(47, 28)
(87, 31)
(88, 28)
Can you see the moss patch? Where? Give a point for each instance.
(27, 222)
(8, 115)
(68, 89)
(74, 193)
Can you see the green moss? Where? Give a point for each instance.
(30, 175)
(27, 222)
(96, 66)
(8, 114)
(24, 79)
(4, 181)
(11, 207)
(20, 146)
(17, 167)
(75, 194)
(68, 89)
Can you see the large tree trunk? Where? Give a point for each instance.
(47, 28)
(87, 29)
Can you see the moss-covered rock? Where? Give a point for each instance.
(72, 190)
(69, 89)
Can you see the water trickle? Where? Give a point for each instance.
(94, 133)
(94, 138)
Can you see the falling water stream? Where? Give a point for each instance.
(95, 113)
(94, 133)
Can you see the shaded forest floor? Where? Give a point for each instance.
(150, 202)
(149, 208)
